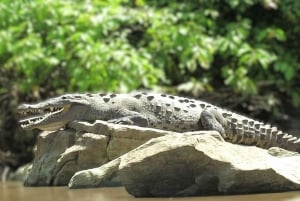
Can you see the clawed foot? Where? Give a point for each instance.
(122, 121)
(137, 120)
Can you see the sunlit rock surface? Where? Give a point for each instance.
(198, 163)
(189, 165)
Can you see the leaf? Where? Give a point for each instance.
(204, 58)
(280, 34)
(286, 69)
(296, 98)
(265, 58)
(245, 48)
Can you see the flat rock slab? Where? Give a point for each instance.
(190, 165)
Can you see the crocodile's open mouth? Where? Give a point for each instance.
(33, 117)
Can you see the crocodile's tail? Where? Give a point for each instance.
(242, 130)
(288, 142)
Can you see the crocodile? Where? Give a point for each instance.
(160, 111)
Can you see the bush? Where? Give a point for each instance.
(68, 45)
(249, 46)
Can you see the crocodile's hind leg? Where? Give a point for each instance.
(132, 118)
(211, 119)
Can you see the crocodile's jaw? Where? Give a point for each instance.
(47, 127)
(48, 118)
(54, 113)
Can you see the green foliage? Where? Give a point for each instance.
(250, 46)
(73, 46)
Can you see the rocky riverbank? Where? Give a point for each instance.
(151, 163)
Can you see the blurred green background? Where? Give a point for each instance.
(242, 55)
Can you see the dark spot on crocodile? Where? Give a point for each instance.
(168, 113)
(233, 128)
(234, 120)
(112, 95)
(168, 104)
(89, 95)
(274, 133)
(226, 114)
(202, 105)
(77, 96)
(150, 98)
(168, 121)
(172, 97)
(163, 95)
(106, 99)
(113, 102)
(165, 128)
(64, 97)
(245, 121)
(279, 134)
(192, 105)
(177, 108)
(257, 126)
(144, 93)
(239, 125)
(138, 96)
(158, 109)
(181, 100)
(186, 100)
(185, 111)
(102, 94)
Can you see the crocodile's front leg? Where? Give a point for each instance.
(212, 119)
(133, 118)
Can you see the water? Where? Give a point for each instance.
(13, 191)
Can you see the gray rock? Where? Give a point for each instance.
(62, 153)
(197, 163)
(21, 173)
(150, 162)
(121, 138)
(189, 165)
(82, 146)
(107, 175)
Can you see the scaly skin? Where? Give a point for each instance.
(159, 111)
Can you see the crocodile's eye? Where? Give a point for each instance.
(64, 97)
